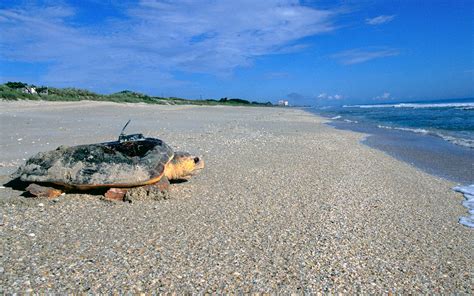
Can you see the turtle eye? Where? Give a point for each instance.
(196, 159)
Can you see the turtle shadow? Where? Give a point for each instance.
(178, 181)
(19, 185)
(16, 184)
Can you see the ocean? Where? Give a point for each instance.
(435, 136)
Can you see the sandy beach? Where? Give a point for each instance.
(285, 204)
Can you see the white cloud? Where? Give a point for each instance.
(381, 19)
(357, 56)
(156, 39)
(384, 96)
(322, 95)
(325, 96)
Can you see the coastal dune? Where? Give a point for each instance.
(285, 204)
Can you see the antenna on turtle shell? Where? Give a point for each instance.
(122, 133)
(129, 138)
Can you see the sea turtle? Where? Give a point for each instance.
(120, 167)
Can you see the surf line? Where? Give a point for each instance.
(468, 192)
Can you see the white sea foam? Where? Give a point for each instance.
(466, 106)
(468, 192)
(351, 121)
(458, 141)
(414, 130)
(336, 117)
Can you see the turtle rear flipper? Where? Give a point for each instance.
(43, 191)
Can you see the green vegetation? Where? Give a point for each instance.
(23, 91)
(15, 85)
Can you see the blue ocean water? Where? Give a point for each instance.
(450, 120)
(436, 136)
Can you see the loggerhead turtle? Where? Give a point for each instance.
(133, 162)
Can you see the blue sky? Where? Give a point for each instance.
(309, 52)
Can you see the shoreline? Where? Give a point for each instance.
(285, 204)
(426, 152)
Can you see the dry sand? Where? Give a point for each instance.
(285, 204)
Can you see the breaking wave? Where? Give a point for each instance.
(455, 140)
(351, 121)
(463, 106)
(468, 192)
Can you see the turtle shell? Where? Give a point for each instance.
(127, 163)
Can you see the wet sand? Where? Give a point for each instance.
(285, 204)
(431, 154)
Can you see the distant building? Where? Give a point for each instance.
(29, 90)
(283, 103)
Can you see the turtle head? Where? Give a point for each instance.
(183, 166)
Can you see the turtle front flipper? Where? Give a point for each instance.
(116, 194)
(43, 191)
(162, 185)
(156, 191)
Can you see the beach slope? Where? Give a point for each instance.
(285, 204)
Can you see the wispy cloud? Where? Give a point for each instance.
(156, 38)
(384, 96)
(357, 56)
(378, 20)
